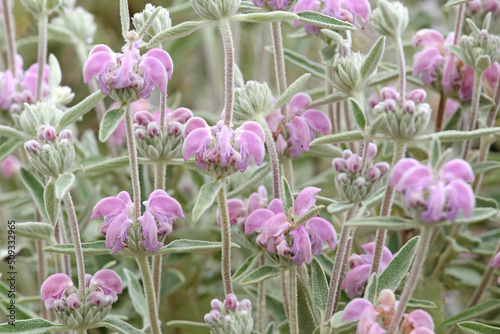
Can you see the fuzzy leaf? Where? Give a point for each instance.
(289, 92)
(332, 98)
(257, 176)
(397, 269)
(454, 121)
(459, 135)
(106, 165)
(388, 223)
(247, 265)
(456, 2)
(8, 131)
(302, 62)
(124, 18)
(88, 248)
(206, 197)
(485, 166)
(288, 200)
(35, 187)
(260, 274)
(266, 17)
(323, 21)
(55, 75)
(51, 202)
(418, 303)
(31, 326)
(110, 122)
(435, 151)
(306, 316)
(80, 109)
(339, 207)
(319, 285)
(371, 291)
(374, 198)
(63, 185)
(188, 325)
(180, 30)
(35, 230)
(478, 215)
(119, 326)
(473, 312)
(358, 113)
(343, 137)
(136, 294)
(191, 246)
(373, 59)
(9, 146)
(478, 328)
(329, 54)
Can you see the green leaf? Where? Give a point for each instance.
(51, 202)
(9, 146)
(88, 248)
(319, 285)
(478, 215)
(473, 312)
(371, 291)
(478, 328)
(136, 294)
(110, 122)
(306, 315)
(266, 17)
(302, 62)
(35, 187)
(358, 113)
(383, 77)
(106, 165)
(36, 230)
(485, 166)
(188, 325)
(8, 131)
(332, 98)
(172, 280)
(454, 120)
(458, 135)
(309, 214)
(190, 246)
(148, 22)
(80, 109)
(373, 59)
(343, 137)
(387, 223)
(124, 18)
(418, 303)
(31, 326)
(270, 328)
(288, 200)
(55, 75)
(260, 274)
(63, 184)
(435, 151)
(375, 198)
(339, 207)
(119, 326)
(206, 197)
(257, 176)
(456, 2)
(180, 30)
(289, 92)
(340, 326)
(329, 54)
(323, 21)
(397, 269)
(247, 265)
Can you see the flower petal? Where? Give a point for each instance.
(108, 207)
(164, 58)
(257, 219)
(321, 230)
(251, 143)
(193, 124)
(401, 168)
(428, 37)
(299, 103)
(107, 280)
(117, 233)
(301, 247)
(196, 141)
(354, 309)
(253, 127)
(305, 200)
(415, 178)
(149, 233)
(156, 71)
(457, 169)
(55, 286)
(96, 64)
(460, 196)
(318, 121)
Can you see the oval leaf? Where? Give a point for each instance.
(323, 21)
(473, 312)
(51, 202)
(478, 328)
(35, 187)
(289, 93)
(136, 294)
(77, 111)
(206, 198)
(260, 274)
(319, 285)
(373, 59)
(36, 230)
(88, 248)
(63, 184)
(119, 326)
(31, 326)
(358, 113)
(109, 123)
(180, 30)
(191, 246)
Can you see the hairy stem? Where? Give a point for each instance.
(402, 70)
(284, 292)
(440, 112)
(75, 234)
(261, 300)
(42, 274)
(385, 211)
(279, 62)
(486, 280)
(134, 165)
(10, 36)
(163, 111)
(328, 91)
(411, 283)
(288, 172)
(345, 260)
(228, 44)
(474, 109)
(273, 156)
(159, 183)
(149, 292)
(226, 240)
(42, 52)
(292, 284)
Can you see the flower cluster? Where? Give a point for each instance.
(480, 49)
(360, 268)
(128, 76)
(437, 61)
(476, 6)
(220, 149)
(157, 221)
(51, 154)
(230, 316)
(356, 176)
(301, 128)
(292, 235)
(101, 291)
(369, 315)
(15, 91)
(156, 143)
(405, 121)
(345, 10)
(435, 194)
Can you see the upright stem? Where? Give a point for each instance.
(159, 178)
(459, 22)
(343, 269)
(440, 113)
(149, 292)
(328, 91)
(273, 156)
(42, 274)
(261, 300)
(485, 282)
(134, 165)
(279, 62)
(163, 111)
(284, 292)
(159, 183)
(226, 240)
(337, 268)
(293, 318)
(211, 57)
(227, 41)
(10, 35)
(288, 172)
(385, 211)
(402, 70)
(42, 52)
(75, 235)
(474, 109)
(411, 283)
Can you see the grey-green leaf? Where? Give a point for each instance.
(35, 230)
(247, 265)
(323, 21)
(206, 198)
(31, 326)
(35, 187)
(51, 202)
(456, 2)
(55, 75)
(8, 131)
(319, 285)
(358, 113)
(191, 246)
(288, 200)
(119, 326)
(80, 109)
(478, 328)
(373, 59)
(453, 135)
(110, 122)
(266, 17)
(260, 274)
(289, 92)
(88, 248)
(124, 18)
(435, 152)
(371, 291)
(180, 30)
(188, 325)
(136, 294)
(63, 184)
(473, 312)
(9, 146)
(388, 223)
(343, 137)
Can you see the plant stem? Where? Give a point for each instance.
(293, 318)
(440, 112)
(447, 254)
(261, 300)
(42, 52)
(226, 240)
(402, 70)
(279, 62)
(273, 156)
(284, 292)
(337, 268)
(159, 183)
(328, 91)
(411, 283)
(149, 292)
(134, 165)
(459, 22)
(345, 260)
(486, 280)
(227, 41)
(288, 172)
(75, 234)
(163, 111)
(159, 178)
(385, 211)
(474, 109)
(10, 36)
(42, 274)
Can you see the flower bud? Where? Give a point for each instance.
(390, 105)
(73, 301)
(480, 50)
(347, 73)
(59, 305)
(37, 7)
(143, 118)
(215, 9)
(389, 93)
(417, 95)
(383, 167)
(245, 304)
(217, 305)
(346, 154)
(161, 22)
(353, 164)
(359, 182)
(153, 129)
(231, 302)
(140, 133)
(77, 20)
(66, 134)
(252, 99)
(339, 164)
(32, 146)
(373, 173)
(371, 152)
(50, 133)
(281, 144)
(390, 18)
(175, 129)
(96, 298)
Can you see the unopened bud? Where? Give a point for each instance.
(339, 164)
(389, 93)
(161, 22)
(73, 301)
(231, 302)
(373, 174)
(59, 305)
(353, 163)
(143, 118)
(32, 146)
(153, 129)
(252, 99)
(417, 95)
(359, 182)
(95, 298)
(175, 129)
(215, 9)
(50, 133)
(390, 18)
(66, 134)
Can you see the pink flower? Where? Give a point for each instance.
(117, 71)
(436, 195)
(417, 322)
(10, 166)
(139, 105)
(164, 209)
(55, 288)
(239, 209)
(496, 261)
(275, 4)
(106, 281)
(364, 311)
(222, 146)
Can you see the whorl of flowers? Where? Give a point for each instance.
(230, 316)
